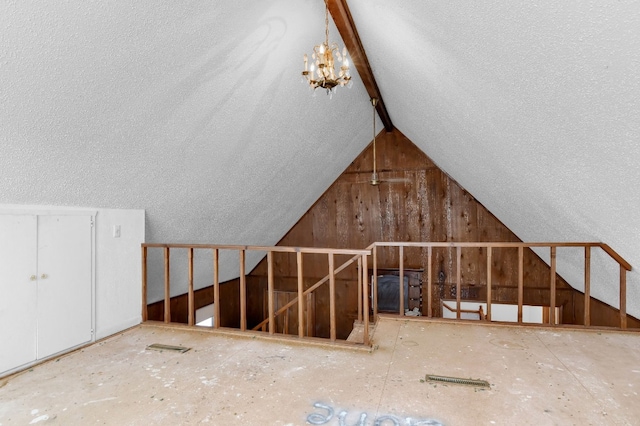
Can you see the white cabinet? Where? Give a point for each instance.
(46, 284)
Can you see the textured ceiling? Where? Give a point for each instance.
(195, 112)
(533, 107)
(192, 111)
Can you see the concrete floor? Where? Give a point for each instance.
(537, 376)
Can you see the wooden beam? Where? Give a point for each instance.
(587, 286)
(300, 295)
(552, 295)
(270, 287)
(429, 281)
(401, 278)
(216, 288)
(167, 285)
(347, 28)
(489, 281)
(332, 298)
(243, 292)
(365, 298)
(374, 285)
(623, 297)
(520, 282)
(145, 315)
(458, 279)
(359, 289)
(191, 298)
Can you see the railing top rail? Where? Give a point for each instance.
(614, 255)
(438, 244)
(484, 244)
(281, 249)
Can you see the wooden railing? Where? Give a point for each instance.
(624, 266)
(367, 305)
(359, 256)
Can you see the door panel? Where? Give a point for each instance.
(18, 292)
(64, 283)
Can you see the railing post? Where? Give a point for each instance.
(310, 310)
(359, 289)
(552, 295)
(587, 285)
(300, 295)
(270, 281)
(191, 309)
(167, 291)
(332, 298)
(216, 289)
(429, 282)
(458, 279)
(623, 298)
(365, 299)
(145, 314)
(520, 282)
(243, 292)
(489, 281)
(374, 285)
(401, 279)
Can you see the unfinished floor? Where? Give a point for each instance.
(537, 376)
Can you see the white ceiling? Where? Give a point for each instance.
(195, 112)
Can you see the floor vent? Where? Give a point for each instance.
(458, 381)
(160, 347)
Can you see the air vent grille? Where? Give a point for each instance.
(458, 381)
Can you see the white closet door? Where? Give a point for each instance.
(18, 290)
(64, 283)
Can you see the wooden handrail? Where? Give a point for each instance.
(275, 249)
(611, 252)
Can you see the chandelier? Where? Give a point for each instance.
(321, 72)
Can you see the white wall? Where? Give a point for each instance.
(118, 270)
(117, 264)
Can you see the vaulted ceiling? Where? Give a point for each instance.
(195, 112)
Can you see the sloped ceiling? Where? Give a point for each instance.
(195, 112)
(533, 107)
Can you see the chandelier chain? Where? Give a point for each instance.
(374, 101)
(326, 23)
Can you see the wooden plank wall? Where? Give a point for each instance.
(428, 206)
